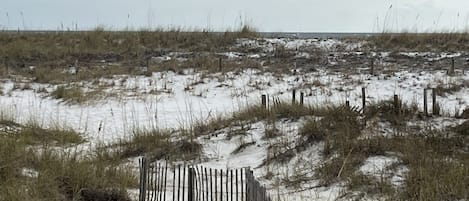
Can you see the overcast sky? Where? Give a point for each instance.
(265, 15)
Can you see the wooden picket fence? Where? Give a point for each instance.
(160, 181)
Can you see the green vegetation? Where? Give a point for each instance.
(32, 168)
(437, 161)
(102, 53)
(433, 42)
(75, 94)
(155, 144)
(71, 94)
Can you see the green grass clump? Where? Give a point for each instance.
(157, 144)
(313, 131)
(443, 90)
(131, 47)
(338, 127)
(438, 167)
(64, 174)
(463, 129)
(387, 111)
(69, 94)
(33, 134)
(338, 169)
(277, 111)
(44, 172)
(436, 179)
(405, 41)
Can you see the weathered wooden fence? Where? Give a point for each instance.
(160, 181)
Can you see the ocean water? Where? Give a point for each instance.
(299, 35)
(319, 35)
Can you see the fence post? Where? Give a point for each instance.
(143, 178)
(425, 103)
(6, 66)
(148, 64)
(372, 66)
(190, 186)
(363, 99)
(264, 101)
(220, 66)
(396, 104)
(302, 96)
(434, 103)
(451, 70)
(293, 100)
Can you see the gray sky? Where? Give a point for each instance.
(265, 15)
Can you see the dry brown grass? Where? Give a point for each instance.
(96, 52)
(434, 42)
(32, 167)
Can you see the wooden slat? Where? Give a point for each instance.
(161, 182)
(141, 191)
(227, 182)
(183, 182)
(203, 184)
(154, 182)
(236, 181)
(174, 183)
(165, 180)
(214, 191)
(242, 185)
(179, 182)
(231, 172)
(206, 184)
(221, 185)
(151, 184)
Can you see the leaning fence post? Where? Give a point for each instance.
(425, 103)
(363, 99)
(434, 103)
(302, 96)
